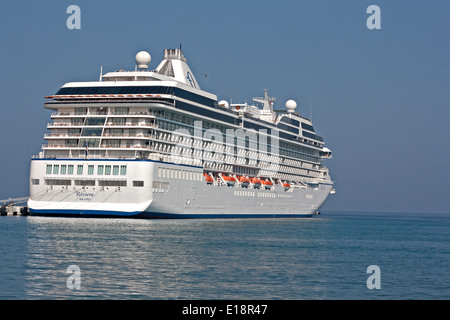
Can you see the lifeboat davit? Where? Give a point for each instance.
(256, 183)
(267, 184)
(244, 181)
(208, 178)
(229, 180)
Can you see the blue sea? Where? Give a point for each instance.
(324, 257)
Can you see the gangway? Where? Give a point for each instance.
(14, 201)
(14, 207)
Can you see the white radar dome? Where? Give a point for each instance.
(291, 105)
(224, 104)
(143, 59)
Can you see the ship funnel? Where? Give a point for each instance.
(175, 65)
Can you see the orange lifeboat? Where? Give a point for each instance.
(286, 185)
(208, 178)
(244, 181)
(256, 182)
(229, 180)
(267, 184)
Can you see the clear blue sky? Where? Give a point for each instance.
(380, 98)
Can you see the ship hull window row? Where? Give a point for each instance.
(107, 170)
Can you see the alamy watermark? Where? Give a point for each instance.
(374, 21)
(74, 280)
(214, 146)
(74, 20)
(374, 280)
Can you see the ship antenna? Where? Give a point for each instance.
(101, 73)
(310, 110)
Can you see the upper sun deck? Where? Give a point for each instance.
(173, 71)
(121, 87)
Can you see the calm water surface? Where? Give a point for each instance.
(325, 257)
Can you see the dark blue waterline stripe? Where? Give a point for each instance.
(83, 212)
(154, 215)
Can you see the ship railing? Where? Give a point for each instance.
(109, 124)
(62, 124)
(46, 135)
(99, 113)
(137, 135)
(125, 124)
(134, 146)
(107, 100)
(104, 146)
(81, 156)
(46, 145)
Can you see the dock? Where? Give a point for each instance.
(14, 207)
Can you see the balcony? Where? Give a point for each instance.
(61, 135)
(128, 125)
(107, 146)
(63, 124)
(102, 113)
(60, 146)
(128, 136)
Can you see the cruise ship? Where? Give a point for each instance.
(151, 144)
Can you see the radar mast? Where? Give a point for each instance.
(266, 101)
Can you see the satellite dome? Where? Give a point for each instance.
(143, 59)
(291, 105)
(224, 104)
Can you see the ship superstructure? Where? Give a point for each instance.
(153, 144)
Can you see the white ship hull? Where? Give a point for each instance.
(152, 189)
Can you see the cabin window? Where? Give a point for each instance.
(138, 183)
(122, 110)
(112, 183)
(80, 111)
(95, 121)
